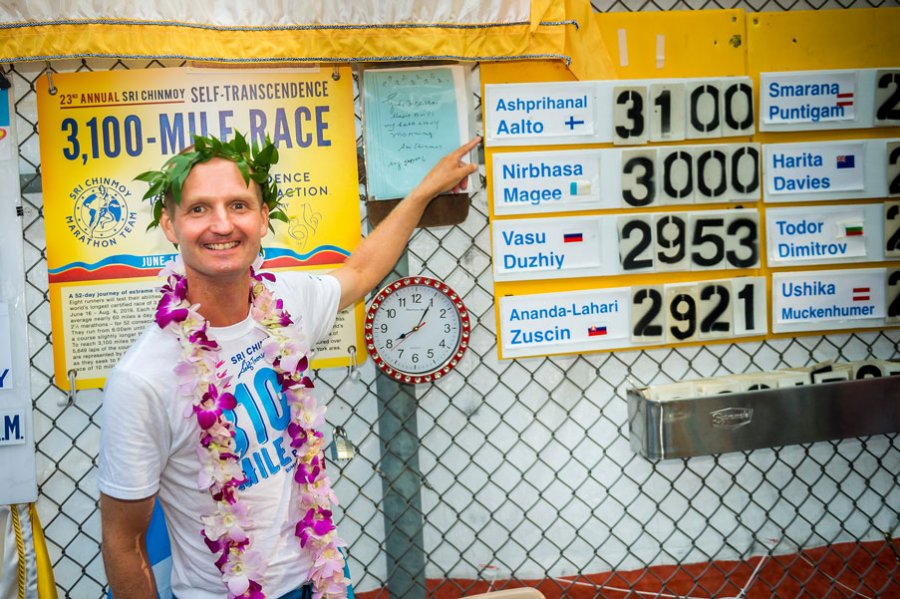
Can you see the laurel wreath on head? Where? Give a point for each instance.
(252, 161)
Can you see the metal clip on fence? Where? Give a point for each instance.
(353, 367)
(50, 87)
(70, 394)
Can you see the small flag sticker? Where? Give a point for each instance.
(573, 237)
(845, 99)
(596, 331)
(579, 188)
(853, 230)
(846, 161)
(861, 294)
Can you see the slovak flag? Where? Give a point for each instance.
(596, 331)
(846, 161)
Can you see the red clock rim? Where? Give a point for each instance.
(461, 347)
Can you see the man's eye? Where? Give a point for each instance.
(196, 209)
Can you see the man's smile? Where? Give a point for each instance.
(225, 245)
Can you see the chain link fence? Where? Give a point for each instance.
(521, 470)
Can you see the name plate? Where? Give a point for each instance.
(828, 170)
(547, 248)
(630, 317)
(615, 244)
(624, 112)
(826, 235)
(539, 182)
(552, 323)
(833, 99)
(528, 113)
(826, 300)
(808, 97)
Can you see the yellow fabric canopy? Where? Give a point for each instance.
(556, 30)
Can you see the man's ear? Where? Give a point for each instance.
(168, 227)
(264, 226)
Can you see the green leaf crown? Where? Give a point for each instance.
(253, 163)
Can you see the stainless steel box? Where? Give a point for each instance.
(768, 418)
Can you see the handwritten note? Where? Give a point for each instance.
(413, 118)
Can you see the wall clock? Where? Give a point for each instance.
(417, 329)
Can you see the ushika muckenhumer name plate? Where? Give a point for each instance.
(836, 299)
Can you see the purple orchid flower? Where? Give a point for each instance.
(206, 418)
(308, 474)
(309, 525)
(167, 311)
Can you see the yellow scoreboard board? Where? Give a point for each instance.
(739, 180)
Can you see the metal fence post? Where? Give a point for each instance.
(401, 481)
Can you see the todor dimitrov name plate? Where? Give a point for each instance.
(826, 235)
(824, 300)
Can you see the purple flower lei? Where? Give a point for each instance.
(203, 380)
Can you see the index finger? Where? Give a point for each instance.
(468, 146)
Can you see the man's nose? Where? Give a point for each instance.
(221, 221)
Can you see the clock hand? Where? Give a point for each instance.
(405, 336)
(427, 308)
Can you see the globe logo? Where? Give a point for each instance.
(100, 214)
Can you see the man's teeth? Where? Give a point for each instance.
(222, 246)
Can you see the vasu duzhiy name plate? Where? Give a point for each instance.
(825, 300)
(832, 170)
(834, 99)
(547, 248)
(826, 235)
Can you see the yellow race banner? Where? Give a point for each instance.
(101, 129)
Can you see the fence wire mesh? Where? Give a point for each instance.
(521, 470)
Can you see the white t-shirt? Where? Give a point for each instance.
(148, 446)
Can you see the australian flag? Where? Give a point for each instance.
(846, 161)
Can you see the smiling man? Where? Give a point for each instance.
(211, 411)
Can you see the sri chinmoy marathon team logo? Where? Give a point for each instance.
(100, 215)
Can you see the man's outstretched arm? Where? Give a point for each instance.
(124, 547)
(379, 251)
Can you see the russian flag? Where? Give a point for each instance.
(596, 331)
(573, 237)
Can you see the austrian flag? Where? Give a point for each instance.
(861, 294)
(845, 99)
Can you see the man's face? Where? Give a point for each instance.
(219, 224)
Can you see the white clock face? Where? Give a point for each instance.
(418, 329)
